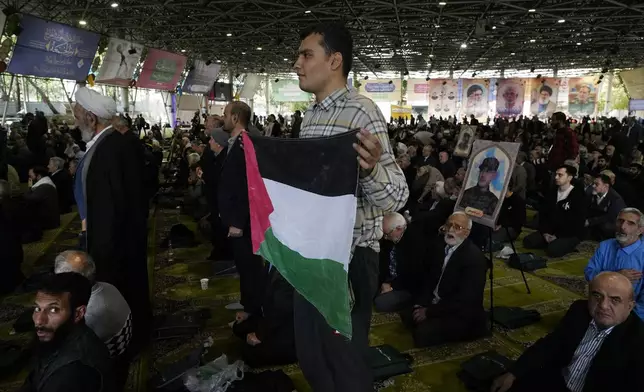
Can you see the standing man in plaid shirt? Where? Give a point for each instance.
(329, 361)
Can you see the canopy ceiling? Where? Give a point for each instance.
(389, 35)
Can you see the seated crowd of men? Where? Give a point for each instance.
(432, 265)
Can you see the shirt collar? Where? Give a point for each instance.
(604, 332)
(631, 248)
(90, 143)
(335, 96)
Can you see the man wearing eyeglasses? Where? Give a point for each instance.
(451, 307)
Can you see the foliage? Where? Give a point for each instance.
(619, 97)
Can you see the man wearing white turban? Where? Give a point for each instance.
(110, 197)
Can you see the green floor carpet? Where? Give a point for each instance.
(176, 287)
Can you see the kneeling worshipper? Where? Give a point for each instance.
(269, 337)
(596, 347)
(623, 254)
(109, 191)
(451, 307)
(69, 357)
(403, 256)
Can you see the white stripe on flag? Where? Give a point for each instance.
(315, 226)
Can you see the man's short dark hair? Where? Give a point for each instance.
(546, 89)
(336, 38)
(559, 116)
(242, 111)
(474, 88)
(40, 171)
(605, 179)
(570, 170)
(78, 287)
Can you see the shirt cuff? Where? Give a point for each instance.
(374, 177)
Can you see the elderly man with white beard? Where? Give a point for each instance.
(108, 188)
(451, 307)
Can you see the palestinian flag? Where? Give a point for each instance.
(302, 196)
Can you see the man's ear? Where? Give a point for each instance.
(336, 61)
(79, 313)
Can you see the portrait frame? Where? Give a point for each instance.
(506, 154)
(460, 150)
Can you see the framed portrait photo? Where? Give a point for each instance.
(465, 141)
(486, 180)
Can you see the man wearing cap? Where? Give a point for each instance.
(109, 192)
(479, 196)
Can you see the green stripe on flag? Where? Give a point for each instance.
(323, 282)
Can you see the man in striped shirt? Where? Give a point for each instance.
(329, 362)
(598, 346)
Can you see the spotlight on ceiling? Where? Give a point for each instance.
(533, 40)
(82, 22)
(366, 77)
(493, 27)
(405, 72)
(463, 45)
(132, 50)
(531, 10)
(219, 61)
(183, 51)
(114, 5)
(229, 34)
(561, 21)
(604, 70)
(208, 62)
(512, 53)
(237, 76)
(427, 79)
(277, 80)
(442, 3)
(444, 83)
(307, 11)
(391, 82)
(601, 77)
(473, 74)
(532, 69)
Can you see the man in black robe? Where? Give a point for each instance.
(109, 193)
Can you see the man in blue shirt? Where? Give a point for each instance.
(623, 254)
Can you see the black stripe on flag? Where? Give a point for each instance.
(327, 166)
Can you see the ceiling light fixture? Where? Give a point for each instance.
(493, 27)
(183, 51)
(285, 59)
(219, 61)
(82, 22)
(512, 54)
(531, 10)
(243, 52)
(437, 26)
(561, 21)
(463, 45)
(114, 5)
(442, 3)
(578, 43)
(259, 48)
(229, 34)
(307, 11)
(431, 55)
(533, 40)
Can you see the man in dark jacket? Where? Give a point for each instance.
(232, 198)
(451, 307)
(269, 337)
(603, 207)
(565, 145)
(596, 347)
(42, 199)
(561, 218)
(64, 184)
(69, 356)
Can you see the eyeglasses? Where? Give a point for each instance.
(449, 226)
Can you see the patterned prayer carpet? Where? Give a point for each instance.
(176, 287)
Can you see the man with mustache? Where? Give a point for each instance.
(596, 347)
(451, 307)
(69, 356)
(623, 254)
(112, 205)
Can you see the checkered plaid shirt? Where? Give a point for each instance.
(385, 189)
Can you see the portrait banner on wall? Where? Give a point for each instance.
(381, 90)
(510, 97)
(465, 140)
(443, 94)
(161, 70)
(582, 96)
(401, 111)
(421, 110)
(119, 63)
(53, 50)
(288, 90)
(201, 77)
(417, 90)
(543, 96)
(475, 98)
(486, 181)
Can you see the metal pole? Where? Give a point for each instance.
(266, 92)
(6, 103)
(402, 80)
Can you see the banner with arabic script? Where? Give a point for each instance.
(119, 62)
(161, 70)
(381, 90)
(53, 50)
(201, 77)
